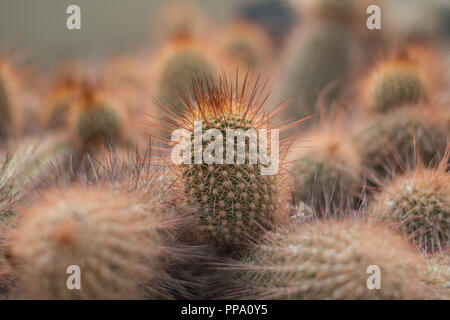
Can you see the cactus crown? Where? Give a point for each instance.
(328, 260)
(418, 204)
(235, 200)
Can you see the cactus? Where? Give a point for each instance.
(328, 260)
(247, 46)
(59, 102)
(183, 59)
(322, 62)
(418, 204)
(236, 201)
(392, 85)
(327, 171)
(8, 105)
(337, 10)
(96, 117)
(394, 139)
(117, 239)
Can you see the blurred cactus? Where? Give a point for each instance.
(418, 204)
(183, 59)
(327, 170)
(393, 84)
(321, 64)
(96, 117)
(8, 106)
(59, 102)
(329, 260)
(247, 45)
(395, 139)
(117, 239)
(236, 201)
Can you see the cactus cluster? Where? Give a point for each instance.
(116, 239)
(327, 170)
(418, 204)
(236, 201)
(395, 139)
(321, 64)
(329, 260)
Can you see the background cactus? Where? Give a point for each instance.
(395, 84)
(247, 45)
(236, 202)
(59, 102)
(329, 260)
(116, 238)
(183, 59)
(96, 118)
(8, 106)
(327, 170)
(418, 204)
(322, 61)
(392, 140)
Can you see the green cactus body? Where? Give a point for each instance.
(98, 122)
(396, 87)
(114, 237)
(322, 60)
(328, 260)
(236, 201)
(327, 173)
(180, 69)
(418, 204)
(394, 139)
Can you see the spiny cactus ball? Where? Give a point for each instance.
(178, 63)
(236, 201)
(327, 170)
(321, 62)
(418, 204)
(329, 260)
(394, 139)
(114, 237)
(96, 117)
(393, 85)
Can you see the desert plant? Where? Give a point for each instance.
(328, 260)
(178, 63)
(117, 239)
(418, 204)
(327, 170)
(320, 64)
(236, 200)
(8, 100)
(96, 117)
(387, 142)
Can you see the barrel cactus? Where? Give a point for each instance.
(387, 142)
(418, 204)
(329, 260)
(178, 63)
(117, 240)
(327, 170)
(321, 63)
(236, 199)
